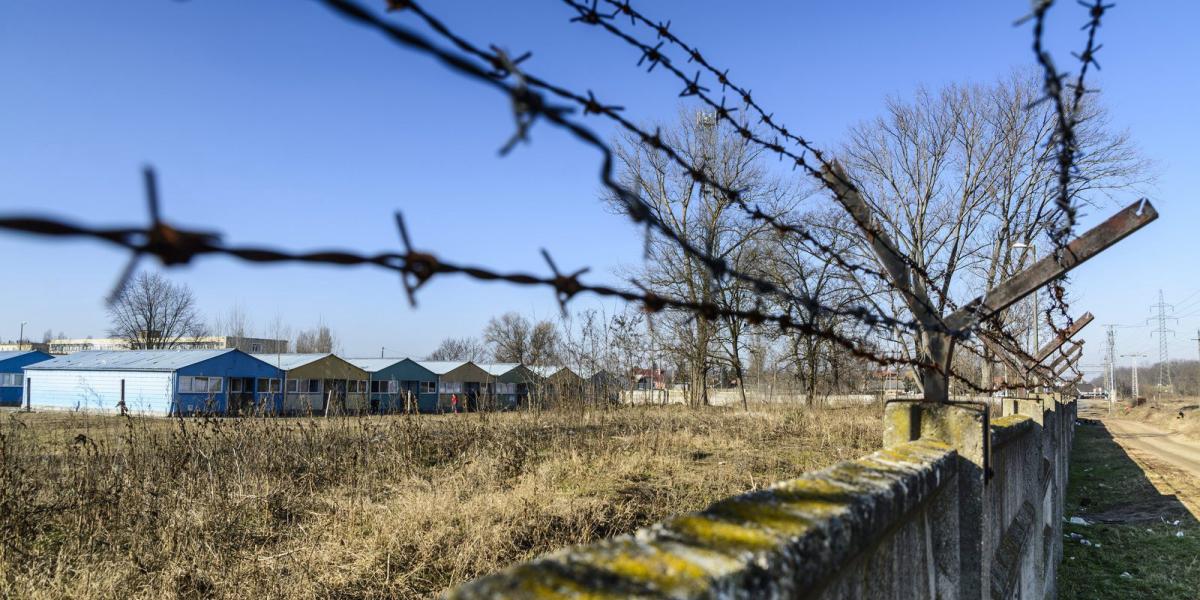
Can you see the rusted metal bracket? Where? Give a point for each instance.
(1097, 239)
(1061, 339)
(935, 344)
(938, 335)
(1017, 368)
(1066, 359)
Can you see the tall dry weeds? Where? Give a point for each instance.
(103, 506)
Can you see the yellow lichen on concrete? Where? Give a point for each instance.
(921, 451)
(764, 512)
(648, 563)
(534, 580)
(717, 533)
(898, 419)
(1009, 421)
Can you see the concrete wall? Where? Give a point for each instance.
(963, 502)
(732, 397)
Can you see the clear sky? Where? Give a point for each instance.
(278, 123)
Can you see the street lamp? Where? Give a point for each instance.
(1032, 248)
(21, 338)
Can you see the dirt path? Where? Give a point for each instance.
(1171, 462)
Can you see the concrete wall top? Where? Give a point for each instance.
(1008, 428)
(789, 538)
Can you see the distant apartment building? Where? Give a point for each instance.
(11, 346)
(249, 345)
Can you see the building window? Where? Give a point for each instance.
(268, 385)
(312, 386)
(235, 385)
(200, 385)
(255, 348)
(428, 387)
(12, 379)
(506, 388)
(451, 387)
(385, 387)
(293, 386)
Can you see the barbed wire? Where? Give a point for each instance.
(590, 105)
(590, 15)
(1065, 136)
(636, 207)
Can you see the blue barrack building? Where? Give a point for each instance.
(159, 382)
(12, 378)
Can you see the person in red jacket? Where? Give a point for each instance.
(454, 403)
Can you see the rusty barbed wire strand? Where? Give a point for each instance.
(1065, 138)
(591, 16)
(637, 208)
(590, 105)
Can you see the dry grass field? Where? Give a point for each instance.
(105, 506)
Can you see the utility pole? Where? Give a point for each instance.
(21, 337)
(1134, 374)
(1164, 361)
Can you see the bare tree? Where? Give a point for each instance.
(234, 324)
(467, 348)
(512, 338)
(805, 271)
(47, 336)
(319, 339)
(153, 313)
(544, 345)
(277, 329)
(707, 219)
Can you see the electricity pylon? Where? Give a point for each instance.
(1164, 360)
(1135, 377)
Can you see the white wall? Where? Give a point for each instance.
(145, 391)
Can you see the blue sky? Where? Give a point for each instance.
(280, 124)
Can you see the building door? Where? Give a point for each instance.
(241, 396)
(472, 393)
(335, 396)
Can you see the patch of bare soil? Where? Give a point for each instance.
(1170, 461)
